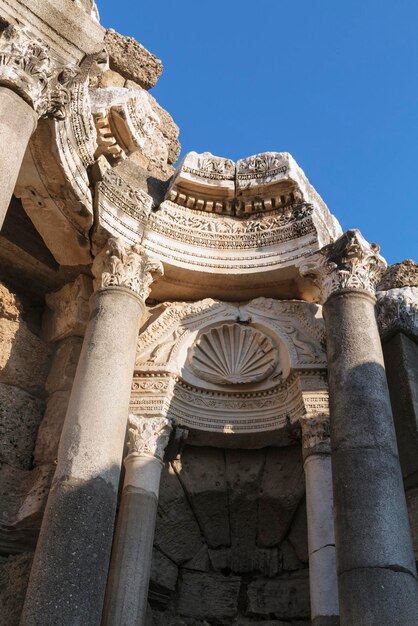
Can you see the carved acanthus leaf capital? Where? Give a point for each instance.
(121, 265)
(315, 433)
(148, 435)
(397, 311)
(348, 263)
(27, 67)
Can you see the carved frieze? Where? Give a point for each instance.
(148, 435)
(233, 354)
(350, 263)
(119, 265)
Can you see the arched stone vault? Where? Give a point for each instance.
(218, 368)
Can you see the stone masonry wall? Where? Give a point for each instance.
(231, 540)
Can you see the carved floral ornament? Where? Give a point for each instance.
(120, 265)
(397, 311)
(26, 66)
(148, 435)
(349, 263)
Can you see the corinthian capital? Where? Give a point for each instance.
(315, 434)
(348, 263)
(26, 67)
(121, 265)
(148, 435)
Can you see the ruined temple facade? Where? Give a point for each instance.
(208, 391)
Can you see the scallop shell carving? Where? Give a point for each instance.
(233, 354)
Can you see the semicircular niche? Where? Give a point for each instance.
(233, 354)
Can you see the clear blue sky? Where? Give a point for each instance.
(335, 83)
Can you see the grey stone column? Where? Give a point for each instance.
(319, 504)
(68, 577)
(127, 590)
(32, 85)
(376, 570)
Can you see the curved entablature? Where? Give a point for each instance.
(231, 368)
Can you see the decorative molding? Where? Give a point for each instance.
(233, 354)
(148, 435)
(349, 263)
(119, 265)
(262, 166)
(397, 311)
(26, 66)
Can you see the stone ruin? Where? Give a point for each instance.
(208, 391)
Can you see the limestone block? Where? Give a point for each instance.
(298, 534)
(23, 495)
(169, 129)
(202, 474)
(14, 576)
(282, 487)
(111, 79)
(200, 562)
(244, 473)
(285, 597)
(163, 577)
(20, 415)
(208, 596)
(24, 357)
(265, 561)
(130, 59)
(68, 310)
(177, 533)
(412, 503)
(49, 433)
(10, 305)
(290, 561)
(64, 365)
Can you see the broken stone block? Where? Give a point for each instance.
(208, 596)
(49, 433)
(163, 578)
(177, 534)
(202, 474)
(285, 597)
(14, 576)
(282, 488)
(20, 416)
(68, 310)
(200, 562)
(130, 59)
(23, 494)
(10, 305)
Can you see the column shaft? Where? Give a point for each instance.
(321, 541)
(127, 594)
(376, 569)
(18, 120)
(68, 577)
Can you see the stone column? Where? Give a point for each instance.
(127, 590)
(319, 504)
(69, 573)
(376, 570)
(32, 85)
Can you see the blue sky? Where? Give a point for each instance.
(335, 83)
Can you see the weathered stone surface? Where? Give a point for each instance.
(130, 59)
(298, 534)
(244, 472)
(23, 495)
(10, 305)
(169, 129)
(282, 487)
(290, 561)
(202, 474)
(20, 415)
(264, 561)
(412, 504)
(398, 275)
(163, 577)
(208, 596)
(50, 428)
(177, 533)
(111, 79)
(283, 597)
(14, 575)
(200, 562)
(64, 365)
(68, 310)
